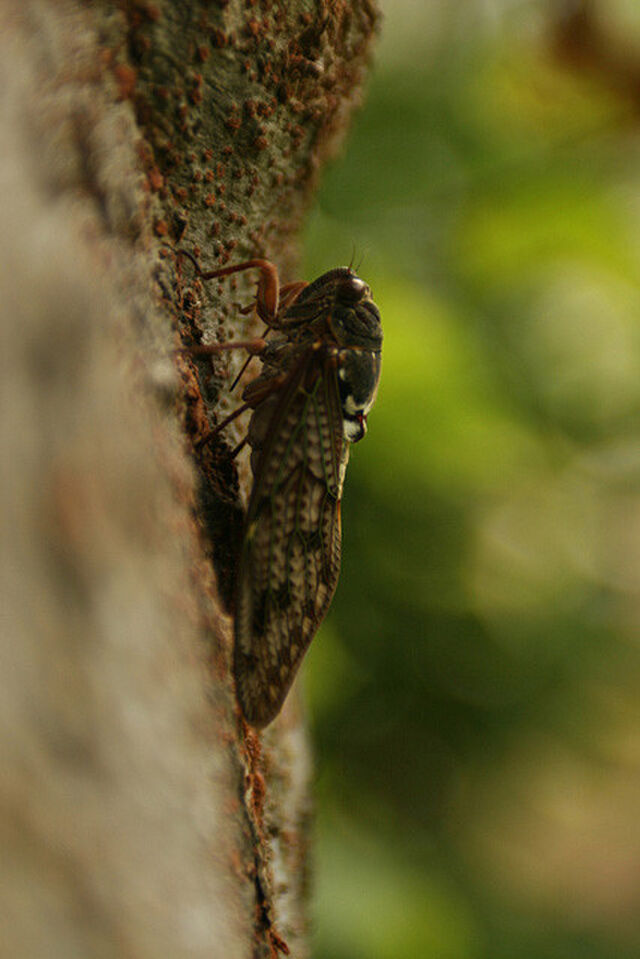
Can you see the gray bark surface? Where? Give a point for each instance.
(140, 817)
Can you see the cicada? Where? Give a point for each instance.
(321, 357)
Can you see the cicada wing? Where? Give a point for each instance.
(290, 557)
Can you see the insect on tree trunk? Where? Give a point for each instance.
(137, 806)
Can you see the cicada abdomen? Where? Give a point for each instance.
(319, 378)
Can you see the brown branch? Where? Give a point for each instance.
(140, 816)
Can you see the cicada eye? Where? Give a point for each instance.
(352, 289)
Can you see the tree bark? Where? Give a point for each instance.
(141, 817)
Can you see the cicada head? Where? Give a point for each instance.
(338, 307)
(354, 320)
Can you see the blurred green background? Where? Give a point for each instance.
(475, 693)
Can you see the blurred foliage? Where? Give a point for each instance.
(474, 693)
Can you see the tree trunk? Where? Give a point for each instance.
(141, 817)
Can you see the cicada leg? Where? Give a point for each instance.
(257, 397)
(288, 295)
(268, 292)
(254, 347)
(218, 429)
(270, 299)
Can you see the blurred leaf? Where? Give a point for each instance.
(488, 614)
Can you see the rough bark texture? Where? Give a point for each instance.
(140, 817)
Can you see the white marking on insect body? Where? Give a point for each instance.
(355, 429)
(350, 405)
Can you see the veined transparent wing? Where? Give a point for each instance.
(290, 559)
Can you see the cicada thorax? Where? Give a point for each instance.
(318, 381)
